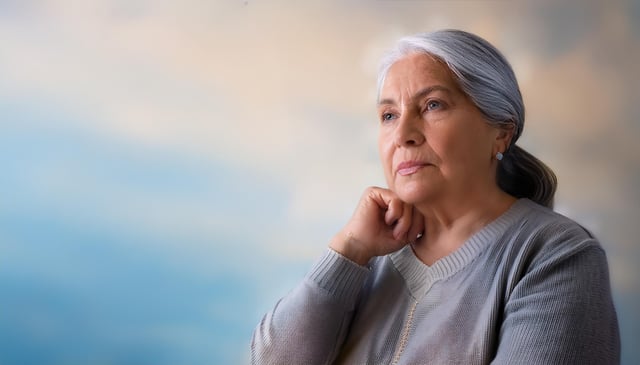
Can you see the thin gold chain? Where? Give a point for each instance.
(405, 334)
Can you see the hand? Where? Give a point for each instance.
(381, 224)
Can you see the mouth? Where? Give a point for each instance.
(407, 168)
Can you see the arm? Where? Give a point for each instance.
(309, 325)
(561, 312)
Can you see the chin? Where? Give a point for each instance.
(413, 193)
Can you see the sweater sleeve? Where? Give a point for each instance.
(309, 325)
(561, 312)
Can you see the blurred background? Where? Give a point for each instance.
(171, 168)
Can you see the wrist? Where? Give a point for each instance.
(346, 245)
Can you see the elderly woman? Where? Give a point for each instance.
(461, 260)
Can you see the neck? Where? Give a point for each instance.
(450, 222)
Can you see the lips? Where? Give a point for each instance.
(410, 167)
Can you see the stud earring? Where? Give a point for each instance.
(499, 156)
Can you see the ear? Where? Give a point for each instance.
(503, 137)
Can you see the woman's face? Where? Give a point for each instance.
(434, 142)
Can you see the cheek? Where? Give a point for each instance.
(467, 150)
(453, 151)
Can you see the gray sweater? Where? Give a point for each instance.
(532, 287)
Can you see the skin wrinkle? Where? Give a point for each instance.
(425, 117)
(419, 95)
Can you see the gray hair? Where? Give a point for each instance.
(485, 75)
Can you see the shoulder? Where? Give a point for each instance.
(543, 219)
(547, 252)
(541, 234)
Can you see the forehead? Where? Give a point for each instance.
(414, 72)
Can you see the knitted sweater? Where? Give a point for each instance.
(532, 287)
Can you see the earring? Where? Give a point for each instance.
(499, 156)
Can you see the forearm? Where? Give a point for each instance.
(309, 324)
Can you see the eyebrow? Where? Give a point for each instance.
(420, 94)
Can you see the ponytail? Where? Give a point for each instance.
(524, 176)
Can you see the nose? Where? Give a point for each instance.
(409, 131)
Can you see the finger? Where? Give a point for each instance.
(379, 196)
(395, 210)
(402, 227)
(389, 202)
(417, 225)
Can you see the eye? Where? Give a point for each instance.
(387, 117)
(433, 104)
